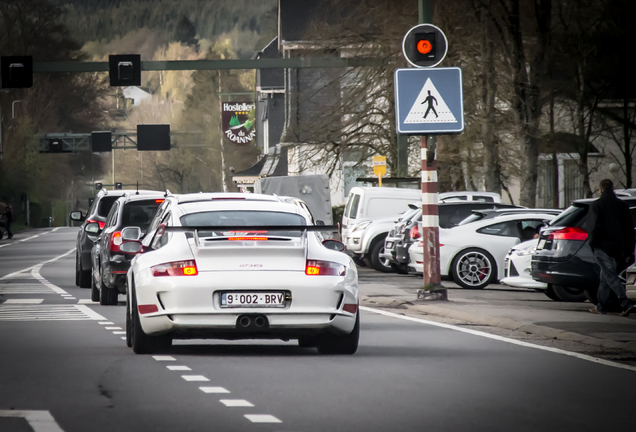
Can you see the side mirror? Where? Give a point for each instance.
(334, 245)
(131, 247)
(77, 216)
(131, 233)
(92, 228)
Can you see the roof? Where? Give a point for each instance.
(222, 196)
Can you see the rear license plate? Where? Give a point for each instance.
(541, 244)
(252, 299)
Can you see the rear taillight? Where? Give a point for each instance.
(324, 268)
(115, 241)
(101, 224)
(177, 268)
(568, 233)
(415, 233)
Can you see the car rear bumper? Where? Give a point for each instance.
(566, 273)
(190, 306)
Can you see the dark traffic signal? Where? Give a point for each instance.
(16, 71)
(124, 70)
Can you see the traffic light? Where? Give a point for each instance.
(424, 46)
(101, 141)
(118, 185)
(124, 70)
(153, 137)
(56, 145)
(17, 71)
(98, 186)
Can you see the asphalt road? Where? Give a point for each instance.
(59, 356)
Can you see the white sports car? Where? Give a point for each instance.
(239, 266)
(473, 254)
(517, 267)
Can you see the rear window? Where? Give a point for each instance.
(244, 218)
(140, 213)
(105, 204)
(483, 198)
(573, 216)
(354, 207)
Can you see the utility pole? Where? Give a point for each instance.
(430, 210)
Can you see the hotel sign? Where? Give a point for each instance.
(236, 123)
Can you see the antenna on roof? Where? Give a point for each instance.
(167, 193)
(137, 189)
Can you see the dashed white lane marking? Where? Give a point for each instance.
(213, 390)
(163, 358)
(70, 298)
(179, 368)
(106, 323)
(113, 328)
(123, 338)
(40, 421)
(502, 339)
(194, 378)
(86, 301)
(66, 295)
(24, 301)
(262, 418)
(119, 332)
(236, 403)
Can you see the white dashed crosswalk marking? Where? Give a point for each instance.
(33, 287)
(262, 418)
(20, 312)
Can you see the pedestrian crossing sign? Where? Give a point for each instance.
(429, 101)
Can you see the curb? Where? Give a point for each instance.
(506, 323)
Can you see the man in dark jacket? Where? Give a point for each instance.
(611, 231)
(8, 218)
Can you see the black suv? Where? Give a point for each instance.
(97, 212)
(563, 256)
(109, 263)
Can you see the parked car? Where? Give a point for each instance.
(473, 254)
(97, 213)
(630, 283)
(416, 258)
(109, 263)
(395, 235)
(563, 258)
(216, 266)
(366, 203)
(517, 271)
(450, 214)
(469, 196)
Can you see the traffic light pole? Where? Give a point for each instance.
(430, 215)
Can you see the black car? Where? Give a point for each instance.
(450, 215)
(563, 258)
(97, 213)
(109, 263)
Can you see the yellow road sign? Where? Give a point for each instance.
(379, 167)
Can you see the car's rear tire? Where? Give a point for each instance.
(77, 273)
(568, 294)
(143, 343)
(346, 345)
(359, 262)
(549, 292)
(128, 322)
(83, 277)
(107, 296)
(374, 259)
(474, 268)
(94, 291)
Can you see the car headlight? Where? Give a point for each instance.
(360, 226)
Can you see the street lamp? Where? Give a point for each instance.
(13, 107)
(1, 146)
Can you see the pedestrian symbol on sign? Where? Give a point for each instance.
(428, 99)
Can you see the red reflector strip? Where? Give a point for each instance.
(248, 238)
(146, 309)
(350, 307)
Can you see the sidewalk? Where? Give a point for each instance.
(516, 313)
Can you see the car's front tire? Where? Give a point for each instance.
(94, 291)
(474, 268)
(374, 259)
(336, 344)
(82, 277)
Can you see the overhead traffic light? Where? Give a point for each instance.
(124, 70)
(118, 185)
(153, 137)
(17, 71)
(101, 141)
(424, 46)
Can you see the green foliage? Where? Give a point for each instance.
(234, 121)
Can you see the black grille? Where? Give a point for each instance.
(513, 270)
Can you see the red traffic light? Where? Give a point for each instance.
(424, 46)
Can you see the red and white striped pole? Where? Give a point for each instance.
(430, 223)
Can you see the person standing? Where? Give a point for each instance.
(8, 215)
(611, 231)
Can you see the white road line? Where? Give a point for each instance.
(123, 338)
(90, 312)
(40, 421)
(163, 358)
(262, 418)
(24, 301)
(194, 378)
(503, 339)
(106, 323)
(55, 229)
(86, 301)
(70, 298)
(236, 403)
(112, 328)
(10, 275)
(213, 390)
(45, 312)
(179, 368)
(119, 332)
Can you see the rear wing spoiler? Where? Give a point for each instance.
(243, 228)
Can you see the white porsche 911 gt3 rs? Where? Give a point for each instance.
(239, 266)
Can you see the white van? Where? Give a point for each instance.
(377, 202)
